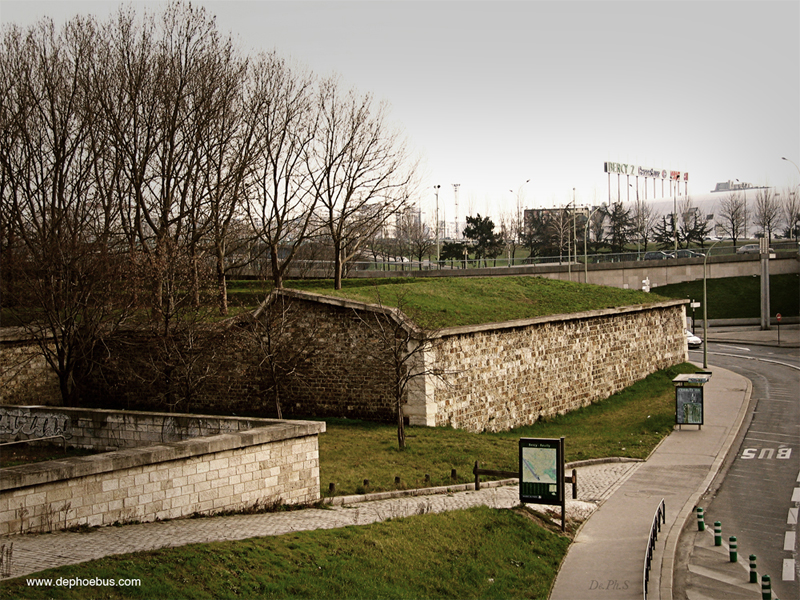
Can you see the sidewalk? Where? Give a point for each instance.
(36, 552)
(606, 559)
(789, 334)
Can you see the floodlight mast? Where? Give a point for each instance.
(455, 189)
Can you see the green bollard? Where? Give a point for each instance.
(717, 533)
(753, 573)
(732, 549)
(701, 524)
(766, 588)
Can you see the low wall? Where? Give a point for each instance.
(257, 461)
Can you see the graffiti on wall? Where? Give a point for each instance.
(34, 424)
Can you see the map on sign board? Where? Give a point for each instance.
(539, 465)
(689, 406)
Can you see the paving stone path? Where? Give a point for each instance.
(36, 552)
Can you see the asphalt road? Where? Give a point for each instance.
(756, 499)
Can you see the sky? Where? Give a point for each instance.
(528, 99)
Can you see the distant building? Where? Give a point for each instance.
(731, 186)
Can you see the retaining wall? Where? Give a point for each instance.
(258, 461)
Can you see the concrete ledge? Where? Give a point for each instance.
(82, 466)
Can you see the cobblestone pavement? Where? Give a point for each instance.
(36, 552)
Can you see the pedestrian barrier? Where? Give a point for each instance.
(477, 471)
(659, 518)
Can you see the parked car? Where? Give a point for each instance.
(690, 254)
(657, 255)
(751, 249)
(693, 340)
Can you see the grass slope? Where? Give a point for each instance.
(456, 301)
(475, 553)
(740, 297)
(630, 423)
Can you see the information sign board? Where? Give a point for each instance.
(689, 405)
(541, 465)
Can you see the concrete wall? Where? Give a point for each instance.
(274, 462)
(626, 275)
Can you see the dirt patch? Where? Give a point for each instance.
(23, 454)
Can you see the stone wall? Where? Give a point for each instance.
(512, 374)
(277, 462)
(25, 376)
(498, 375)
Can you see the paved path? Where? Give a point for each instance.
(36, 552)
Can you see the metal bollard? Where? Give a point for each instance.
(753, 573)
(717, 533)
(701, 524)
(766, 588)
(732, 549)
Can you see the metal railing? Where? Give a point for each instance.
(659, 518)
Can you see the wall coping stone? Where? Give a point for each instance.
(466, 329)
(82, 466)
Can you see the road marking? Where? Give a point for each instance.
(735, 347)
(792, 518)
(796, 495)
(788, 569)
(788, 541)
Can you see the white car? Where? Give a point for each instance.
(693, 340)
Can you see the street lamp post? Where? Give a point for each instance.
(519, 210)
(705, 307)
(436, 191)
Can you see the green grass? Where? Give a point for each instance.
(456, 301)
(739, 297)
(475, 553)
(630, 424)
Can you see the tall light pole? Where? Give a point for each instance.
(455, 190)
(519, 210)
(705, 307)
(436, 191)
(791, 161)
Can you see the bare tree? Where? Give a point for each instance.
(283, 339)
(733, 216)
(791, 212)
(281, 200)
(60, 271)
(768, 212)
(643, 221)
(361, 170)
(159, 97)
(403, 346)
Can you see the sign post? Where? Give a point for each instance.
(689, 398)
(778, 317)
(541, 473)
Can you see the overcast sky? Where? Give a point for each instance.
(491, 94)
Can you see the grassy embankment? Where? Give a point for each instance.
(739, 297)
(479, 553)
(466, 554)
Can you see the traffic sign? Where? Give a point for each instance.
(778, 316)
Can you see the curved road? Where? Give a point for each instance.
(757, 495)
